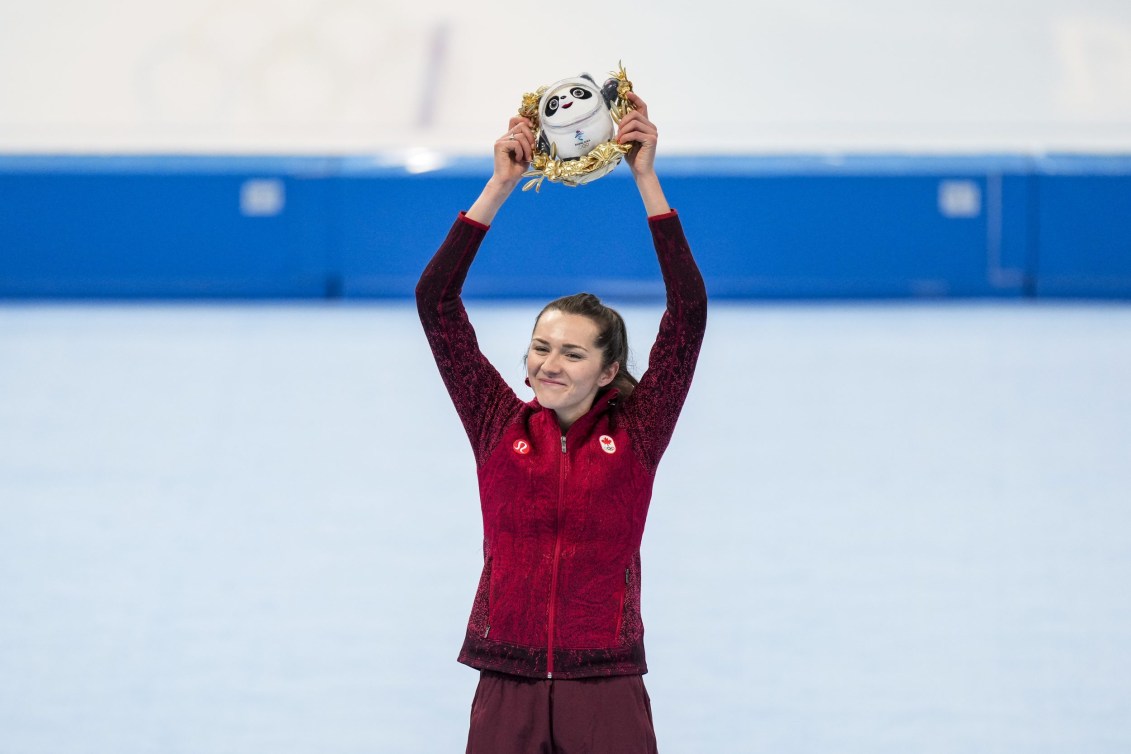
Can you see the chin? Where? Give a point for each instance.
(547, 401)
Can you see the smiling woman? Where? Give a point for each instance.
(564, 365)
(565, 479)
(592, 341)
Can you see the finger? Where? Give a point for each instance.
(637, 102)
(643, 135)
(523, 132)
(520, 131)
(636, 120)
(522, 148)
(507, 145)
(521, 139)
(519, 125)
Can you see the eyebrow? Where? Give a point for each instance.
(564, 345)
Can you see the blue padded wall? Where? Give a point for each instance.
(857, 227)
(161, 227)
(777, 228)
(592, 237)
(1084, 227)
(761, 227)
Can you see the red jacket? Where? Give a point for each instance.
(563, 514)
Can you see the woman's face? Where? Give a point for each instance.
(563, 364)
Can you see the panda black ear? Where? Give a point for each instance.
(609, 92)
(589, 78)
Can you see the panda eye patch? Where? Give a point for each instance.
(551, 105)
(580, 93)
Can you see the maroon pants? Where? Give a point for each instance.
(514, 715)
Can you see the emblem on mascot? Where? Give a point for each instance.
(575, 128)
(607, 444)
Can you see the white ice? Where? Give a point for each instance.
(881, 528)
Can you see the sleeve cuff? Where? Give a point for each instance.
(656, 218)
(473, 223)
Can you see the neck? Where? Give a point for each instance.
(565, 422)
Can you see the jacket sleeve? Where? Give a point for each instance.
(482, 398)
(654, 406)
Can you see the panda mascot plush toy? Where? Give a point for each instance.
(575, 116)
(575, 120)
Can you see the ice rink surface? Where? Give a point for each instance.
(880, 528)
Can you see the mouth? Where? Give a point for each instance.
(567, 105)
(554, 383)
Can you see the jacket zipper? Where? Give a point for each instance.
(490, 573)
(623, 600)
(564, 470)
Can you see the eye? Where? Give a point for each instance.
(539, 349)
(551, 105)
(580, 92)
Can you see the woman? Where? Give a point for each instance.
(564, 480)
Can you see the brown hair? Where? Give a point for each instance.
(612, 335)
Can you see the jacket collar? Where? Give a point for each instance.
(605, 400)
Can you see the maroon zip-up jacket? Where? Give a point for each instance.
(563, 513)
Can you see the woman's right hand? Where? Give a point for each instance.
(513, 152)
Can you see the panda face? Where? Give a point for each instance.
(570, 103)
(573, 118)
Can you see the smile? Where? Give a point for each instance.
(568, 104)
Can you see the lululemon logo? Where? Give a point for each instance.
(522, 447)
(607, 444)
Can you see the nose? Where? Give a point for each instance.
(552, 364)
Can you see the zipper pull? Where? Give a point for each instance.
(625, 580)
(563, 444)
(486, 632)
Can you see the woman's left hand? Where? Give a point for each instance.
(513, 151)
(635, 127)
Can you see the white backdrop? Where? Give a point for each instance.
(334, 76)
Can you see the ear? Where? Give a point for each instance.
(609, 92)
(609, 373)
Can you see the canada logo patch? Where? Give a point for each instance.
(607, 444)
(522, 447)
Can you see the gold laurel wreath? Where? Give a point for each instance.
(570, 172)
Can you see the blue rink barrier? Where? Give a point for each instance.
(1001, 226)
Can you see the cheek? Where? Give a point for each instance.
(593, 378)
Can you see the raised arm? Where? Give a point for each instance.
(654, 406)
(635, 128)
(481, 396)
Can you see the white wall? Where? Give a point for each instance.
(770, 75)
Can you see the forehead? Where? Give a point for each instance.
(557, 327)
(564, 88)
